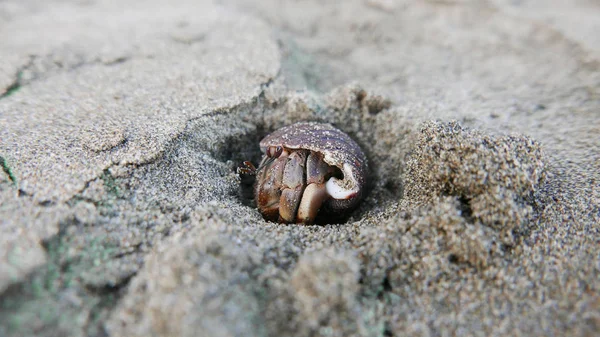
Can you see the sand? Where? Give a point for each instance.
(122, 125)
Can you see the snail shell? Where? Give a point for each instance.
(300, 144)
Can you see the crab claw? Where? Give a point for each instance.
(248, 169)
(267, 188)
(292, 186)
(315, 192)
(312, 199)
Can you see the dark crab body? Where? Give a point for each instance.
(309, 169)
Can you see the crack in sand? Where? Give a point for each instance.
(257, 101)
(7, 170)
(60, 67)
(18, 81)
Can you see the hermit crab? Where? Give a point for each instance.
(308, 171)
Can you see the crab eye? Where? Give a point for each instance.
(274, 151)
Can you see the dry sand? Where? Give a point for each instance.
(122, 124)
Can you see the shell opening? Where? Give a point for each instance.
(338, 188)
(338, 192)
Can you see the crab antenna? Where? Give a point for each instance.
(267, 162)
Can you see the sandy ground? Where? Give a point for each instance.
(122, 124)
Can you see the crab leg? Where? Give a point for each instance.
(312, 199)
(315, 193)
(267, 188)
(293, 184)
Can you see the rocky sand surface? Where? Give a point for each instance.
(122, 124)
